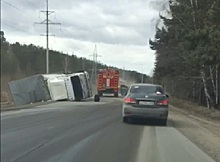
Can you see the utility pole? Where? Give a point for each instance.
(94, 68)
(66, 64)
(47, 22)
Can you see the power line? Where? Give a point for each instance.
(31, 4)
(18, 9)
(39, 40)
(13, 27)
(7, 21)
(47, 22)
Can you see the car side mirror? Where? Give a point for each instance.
(167, 96)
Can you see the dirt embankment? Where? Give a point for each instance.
(192, 108)
(6, 98)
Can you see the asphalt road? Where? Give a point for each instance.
(90, 132)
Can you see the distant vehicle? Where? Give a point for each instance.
(123, 90)
(147, 101)
(108, 82)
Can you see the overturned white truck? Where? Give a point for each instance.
(73, 87)
(77, 86)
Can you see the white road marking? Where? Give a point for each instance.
(50, 127)
(144, 146)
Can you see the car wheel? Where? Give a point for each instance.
(96, 98)
(125, 119)
(163, 122)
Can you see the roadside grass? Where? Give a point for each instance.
(195, 109)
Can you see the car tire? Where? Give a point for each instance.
(125, 119)
(163, 122)
(96, 98)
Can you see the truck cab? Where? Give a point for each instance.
(108, 82)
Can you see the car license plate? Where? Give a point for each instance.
(146, 103)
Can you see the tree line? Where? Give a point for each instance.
(21, 60)
(187, 51)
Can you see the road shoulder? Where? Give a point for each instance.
(27, 106)
(205, 133)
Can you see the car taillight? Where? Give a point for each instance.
(163, 103)
(129, 100)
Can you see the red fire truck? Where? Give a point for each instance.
(108, 82)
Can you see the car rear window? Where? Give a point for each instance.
(146, 89)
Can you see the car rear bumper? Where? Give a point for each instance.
(154, 113)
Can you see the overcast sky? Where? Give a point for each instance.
(120, 28)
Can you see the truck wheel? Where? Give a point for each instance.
(96, 98)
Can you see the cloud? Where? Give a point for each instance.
(121, 29)
(127, 24)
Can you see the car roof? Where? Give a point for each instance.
(145, 84)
